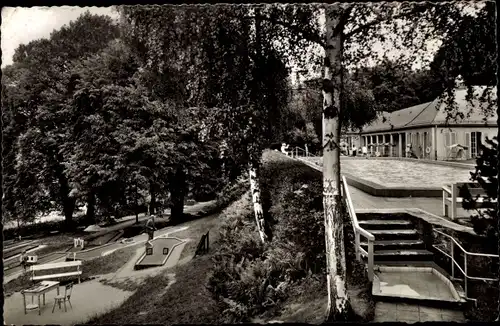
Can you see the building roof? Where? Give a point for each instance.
(436, 112)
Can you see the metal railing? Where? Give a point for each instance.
(358, 232)
(454, 262)
(300, 152)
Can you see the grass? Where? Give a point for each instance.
(195, 231)
(186, 301)
(108, 264)
(306, 304)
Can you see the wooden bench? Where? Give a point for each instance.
(451, 197)
(75, 264)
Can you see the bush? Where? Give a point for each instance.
(485, 223)
(248, 277)
(232, 192)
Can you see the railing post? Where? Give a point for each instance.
(356, 235)
(370, 260)
(452, 259)
(465, 272)
(454, 192)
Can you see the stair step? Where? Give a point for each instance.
(398, 244)
(395, 234)
(385, 224)
(406, 252)
(403, 254)
(396, 231)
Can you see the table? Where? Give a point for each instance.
(39, 290)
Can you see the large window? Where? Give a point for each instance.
(450, 138)
(475, 143)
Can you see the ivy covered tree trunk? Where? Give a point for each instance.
(68, 203)
(177, 193)
(256, 200)
(338, 304)
(136, 199)
(152, 203)
(91, 201)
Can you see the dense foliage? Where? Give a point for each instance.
(248, 277)
(485, 220)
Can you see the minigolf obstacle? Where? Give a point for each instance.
(157, 252)
(202, 245)
(78, 243)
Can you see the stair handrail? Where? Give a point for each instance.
(466, 254)
(296, 150)
(359, 231)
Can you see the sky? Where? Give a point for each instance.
(23, 25)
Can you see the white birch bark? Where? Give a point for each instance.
(257, 203)
(338, 304)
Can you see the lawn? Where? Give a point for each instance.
(165, 299)
(194, 233)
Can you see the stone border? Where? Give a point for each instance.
(378, 190)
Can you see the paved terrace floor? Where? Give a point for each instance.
(362, 200)
(410, 313)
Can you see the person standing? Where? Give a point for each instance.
(150, 227)
(22, 259)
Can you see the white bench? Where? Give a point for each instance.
(451, 198)
(76, 264)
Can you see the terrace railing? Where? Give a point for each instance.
(297, 152)
(359, 231)
(453, 255)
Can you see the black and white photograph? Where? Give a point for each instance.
(230, 163)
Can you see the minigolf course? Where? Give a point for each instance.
(157, 251)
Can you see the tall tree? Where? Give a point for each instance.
(46, 86)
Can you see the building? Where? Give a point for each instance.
(422, 131)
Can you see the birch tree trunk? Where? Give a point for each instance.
(338, 304)
(257, 203)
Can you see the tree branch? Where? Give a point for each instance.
(380, 20)
(311, 37)
(343, 20)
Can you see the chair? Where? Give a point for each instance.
(63, 298)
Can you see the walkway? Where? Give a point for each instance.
(402, 312)
(363, 200)
(83, 300)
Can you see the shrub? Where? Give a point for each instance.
(485, 223)
(232, 192)
(248, 277)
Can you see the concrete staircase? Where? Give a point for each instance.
(396, 240)
(405, 272)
